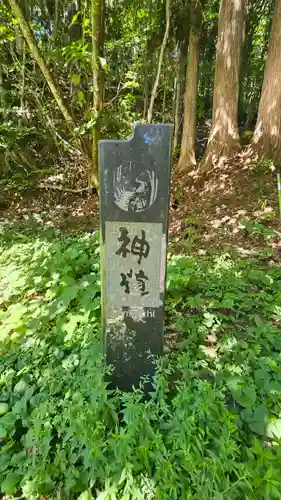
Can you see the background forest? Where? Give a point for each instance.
(75, 71)
(72, 72)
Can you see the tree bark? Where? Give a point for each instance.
(188, 142)
(176, 101)
(164, 100)
(2, 95)
(224, 137)
(267, 135)
(57, 19)
(145, 97)
(101, 44)
(97, 30)
(30, 40)
(22, 90)
(160, 62)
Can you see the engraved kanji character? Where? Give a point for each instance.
(123, 250)
(141, 277)
(125, 282)
(140, 246)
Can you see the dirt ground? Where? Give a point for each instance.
(206, 211)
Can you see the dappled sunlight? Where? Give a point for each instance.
(235, 191)
(204, 422)
(235, 332)
(67, 212)
(220, 371)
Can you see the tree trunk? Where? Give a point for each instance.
(101, 44)
(2, 95)
(57, 19)
(30, 40)
(176, 101)
(160, 61)
(267, 135)
(188, 142)
(224, 136)
(145, 97)
(97, 30)
(22, 90)
(164, 100)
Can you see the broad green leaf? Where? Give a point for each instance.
(259, 419)
(209, 319)
(4, 408)
(9, 485)
(85, 496)
(273, 429)
(103, 62)
(8, 422)
(3, 433)
(75, 17)
(245, 397)
(75, 78)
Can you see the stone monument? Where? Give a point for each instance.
(134, 204)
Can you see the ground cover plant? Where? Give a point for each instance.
(212, 425)
(75, 71)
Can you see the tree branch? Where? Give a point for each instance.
(30, 40)
(61, 188)
(119, 89)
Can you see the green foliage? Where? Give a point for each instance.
(255, 52)
(33, 132)
(265, 166)
(259, 230)
(200, 435)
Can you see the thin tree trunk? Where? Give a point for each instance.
(267, 135)
(176, 103)
(101, 44)
(164, 101)
(22, 90)
(57, 19)
(2, 95)
(224, 137)
(176, 115)
(160, 61)
(146, 80)
(145, 98)
(30, 40)
(188, 142)
(97, 96)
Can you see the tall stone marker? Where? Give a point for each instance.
(134, 204)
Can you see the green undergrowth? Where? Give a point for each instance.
(210, 429)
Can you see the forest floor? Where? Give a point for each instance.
(234, 208)
(212, 428)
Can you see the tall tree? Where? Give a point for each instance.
(176, 99)
(30, 40)
(97, 41)
(57, 19)
(267, 135)
(224, 136)
(160, 62)
(2, 95)
(97, 9)
(187, 154)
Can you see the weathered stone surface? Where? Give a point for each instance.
(134, 202)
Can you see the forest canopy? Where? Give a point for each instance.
(72, 72)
